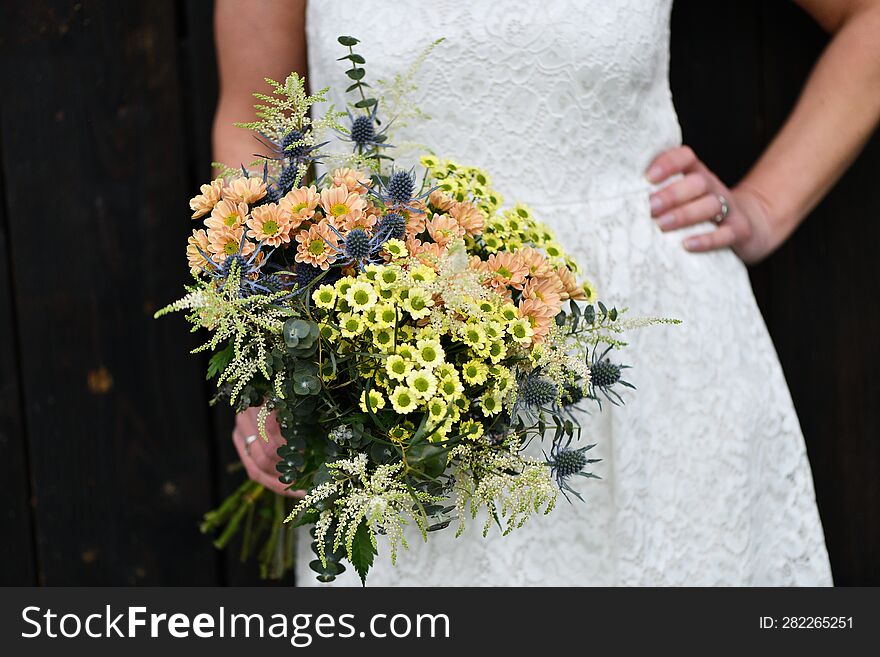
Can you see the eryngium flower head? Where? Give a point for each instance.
(286, 179)
(604, 373)
(392, 226)
(362, 131)
(566, 462)
(357, 245)
(401, 186)
(536, 391)
(303, 274)
(290, 151)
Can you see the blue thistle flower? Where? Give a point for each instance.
(251, 279)
(357, 244)
(392, 226)
(536, 391)
(303, 274)
(604, 375)
(400, 187)
(566, 462)
(357, 247)
(362, 133)
(290, 148)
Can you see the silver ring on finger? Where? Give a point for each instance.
(250, 440)
(725, 210)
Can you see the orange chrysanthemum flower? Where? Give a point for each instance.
(245, 190)
(342, 205)
(441, 201)
(314, 245)
(425, 251)
(539, 266)
(507, 270)
(203, 203)
(352, 179)
(223, 243)
(570, 287)
(363, 220)
(298, 205)
(194, 257)
(415, 218)
(549, 290)
(468, 217)
(227, 215)
(269, 225)
(540, 316)
(443, 229)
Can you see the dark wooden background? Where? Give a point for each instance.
(107, 461)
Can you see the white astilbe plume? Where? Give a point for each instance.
(379, 498)
(509, 486)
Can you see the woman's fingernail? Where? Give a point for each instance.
(692, 243)
(655, 174)
(666, 221)
(656, 203)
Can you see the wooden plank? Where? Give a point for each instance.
(825, 322)
(17, 556)
(715, 75)
(94, 157)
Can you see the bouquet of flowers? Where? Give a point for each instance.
(410, 334)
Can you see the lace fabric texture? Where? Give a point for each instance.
(705, 478)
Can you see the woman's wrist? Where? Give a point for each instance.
(768, 226)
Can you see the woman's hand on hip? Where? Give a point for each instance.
(258, 456)
(697, 198)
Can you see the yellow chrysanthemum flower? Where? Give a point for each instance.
(496, 351)
(450, 387)
(508, 312)
(405, 351)
(437, 409)
(384, 338)
(422, 382)
(397, 367)
(404, 400)
(361, 296)
(384, 316)
(475, 372)
(350, 326)
(490, 402)
(389, 276)
(474, 336)
(429, 353)
(324, 296)
(401, 432)
(396, 249)
(521, 330)
(422, 274)
(342, 285)
(417, 303)
(377, 401)
(471, 429)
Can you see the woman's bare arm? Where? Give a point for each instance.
(838, 110)
(255, 39)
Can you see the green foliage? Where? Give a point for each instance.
(363, 549)
(356, 74)
(220, 361)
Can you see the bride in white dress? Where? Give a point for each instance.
(705, 478)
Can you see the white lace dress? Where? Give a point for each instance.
(705, 478)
